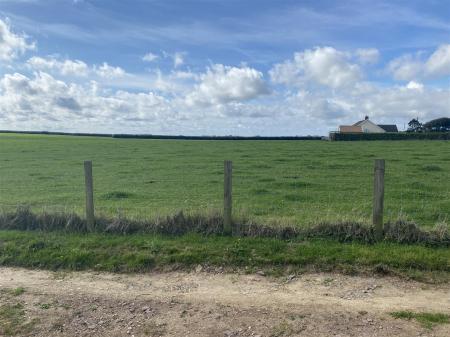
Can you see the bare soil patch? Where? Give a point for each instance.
(216, 304)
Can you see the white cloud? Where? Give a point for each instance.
(41, 101)
(388, 105)
(12, 45)
(316, 106)
(223, 84)
(368, 55)
(107, 71)
(322, 65)
(396, 103)
(150, 57)
(178, 59)
(74, 68)
(406, 67)
(44, 98)
(323, 88)
(413, 85)
(65, 67)
(410, 67)
(438, 64)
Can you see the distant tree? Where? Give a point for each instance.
(414, 125)
(438, 125)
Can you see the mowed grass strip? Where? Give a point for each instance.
(294, 182)
(140, 253)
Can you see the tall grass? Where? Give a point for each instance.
(401, 231)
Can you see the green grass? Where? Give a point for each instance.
(144, 252)
(45, 306)
(295, 182)
(18, 291)
(428, 320)
(14, 292)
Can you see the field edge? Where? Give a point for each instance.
(150, 252)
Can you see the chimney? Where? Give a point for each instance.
(366, 118)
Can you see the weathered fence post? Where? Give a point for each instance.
(378, 198)
(227, 196)
(89, 193)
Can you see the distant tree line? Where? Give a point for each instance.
(435, 125)
(149, 136)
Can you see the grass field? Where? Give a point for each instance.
(294, 182)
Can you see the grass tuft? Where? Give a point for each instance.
(14, 292)
(408, 232)
(117, 195)
(428, 320)
(18, 291)
(432, 168)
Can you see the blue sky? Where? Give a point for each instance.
(221, 67)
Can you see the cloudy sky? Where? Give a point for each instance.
(215, 67)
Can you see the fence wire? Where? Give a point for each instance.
(290, 182)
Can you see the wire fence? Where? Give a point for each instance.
(287, 189)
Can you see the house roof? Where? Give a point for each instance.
(385, 127)
(350, 129)
(388, 127)
(359, 123)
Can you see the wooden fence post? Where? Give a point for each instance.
(227, 196)
(89, 193)
(378, 198)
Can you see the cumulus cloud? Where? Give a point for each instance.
(223, 84)
(107, 71)
(414, 85)
(315, 106)
(75, 68)
(64, 67)
(412, 66)
(383, 104)
(323, 65)
(12, 45)
(321, 87)
(368, 55)
(44, 98)
(222, 92)
(405, 102)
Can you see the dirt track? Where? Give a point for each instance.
(216, 304)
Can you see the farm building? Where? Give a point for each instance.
(367, 126)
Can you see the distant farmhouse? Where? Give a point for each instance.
(367, 126)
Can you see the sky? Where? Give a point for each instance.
(216, 67)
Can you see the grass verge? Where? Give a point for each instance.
(145, 252)
(428, 320)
